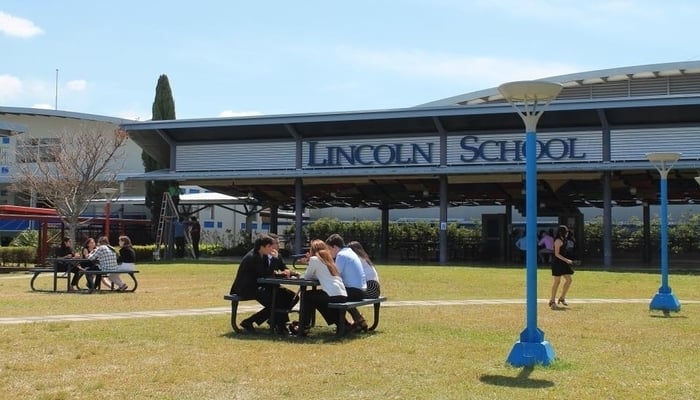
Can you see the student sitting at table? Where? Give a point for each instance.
(66, 251)
(350, 267)
(322, 268)
(373, 288)
(107, 261)
(256, 264)
(89, 265)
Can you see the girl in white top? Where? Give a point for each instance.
(322, 268)
(373, 289)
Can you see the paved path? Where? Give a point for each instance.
(253, 307)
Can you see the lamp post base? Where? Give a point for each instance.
(531, 353)
(665, 302)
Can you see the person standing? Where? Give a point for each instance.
(546, 244)
(350, 267)
(256, 264)
(561, 267)
(174, 191)
(195, 235)
(521, 245)
(179, 234)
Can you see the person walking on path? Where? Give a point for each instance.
(561, 267)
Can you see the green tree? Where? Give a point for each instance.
(163, 109)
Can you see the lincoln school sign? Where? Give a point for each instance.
(471, 150)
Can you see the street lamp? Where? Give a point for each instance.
(109, 193)
(530, 98)
(664, 300)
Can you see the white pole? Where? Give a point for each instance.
(56, 106)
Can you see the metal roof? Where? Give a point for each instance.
(621, 78)
(669, 97)
(9, 128)
(41, 112)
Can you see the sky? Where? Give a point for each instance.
(267, 57)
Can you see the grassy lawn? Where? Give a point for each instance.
(605, 350)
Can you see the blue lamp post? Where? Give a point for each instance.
(664, 300)
(530, 98)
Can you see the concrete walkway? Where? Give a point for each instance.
(254, 307)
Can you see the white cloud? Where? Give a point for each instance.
(77, 85)
(19, 27)
(460, 69)
(231, 113)
(10, 87)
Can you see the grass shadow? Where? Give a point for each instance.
(670, 316)
(522, 380)
(314, 338)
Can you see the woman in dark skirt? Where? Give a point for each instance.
(561, 267)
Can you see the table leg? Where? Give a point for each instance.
(69, 268)
(302, 307)
(55, 276)
(273, 309)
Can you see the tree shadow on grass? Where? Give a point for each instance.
(522, 380)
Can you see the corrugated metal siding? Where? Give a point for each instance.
(610, 89)
(648, 87)
(633, 144)
(661, 86)
(575, 93)
(229, 156)
(689, 84)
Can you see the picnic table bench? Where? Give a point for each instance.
(235, 299)
(36, 272)
(341, 307)
(344, 307)
(98, 274)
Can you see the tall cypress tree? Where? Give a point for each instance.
(163, 109)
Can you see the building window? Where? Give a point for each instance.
(38, 149)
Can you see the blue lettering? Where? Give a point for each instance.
(426, 154)
(312, 156)
(340, 152)
(384, 150)
(359, 151)
(572, 150)
(473, 150)
(517, 151)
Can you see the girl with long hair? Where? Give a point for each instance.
(322, 268)
(561, 267)
(373, 289)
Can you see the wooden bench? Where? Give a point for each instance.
(344, 307)
(98, 274)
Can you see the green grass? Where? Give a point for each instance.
(604, 350)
